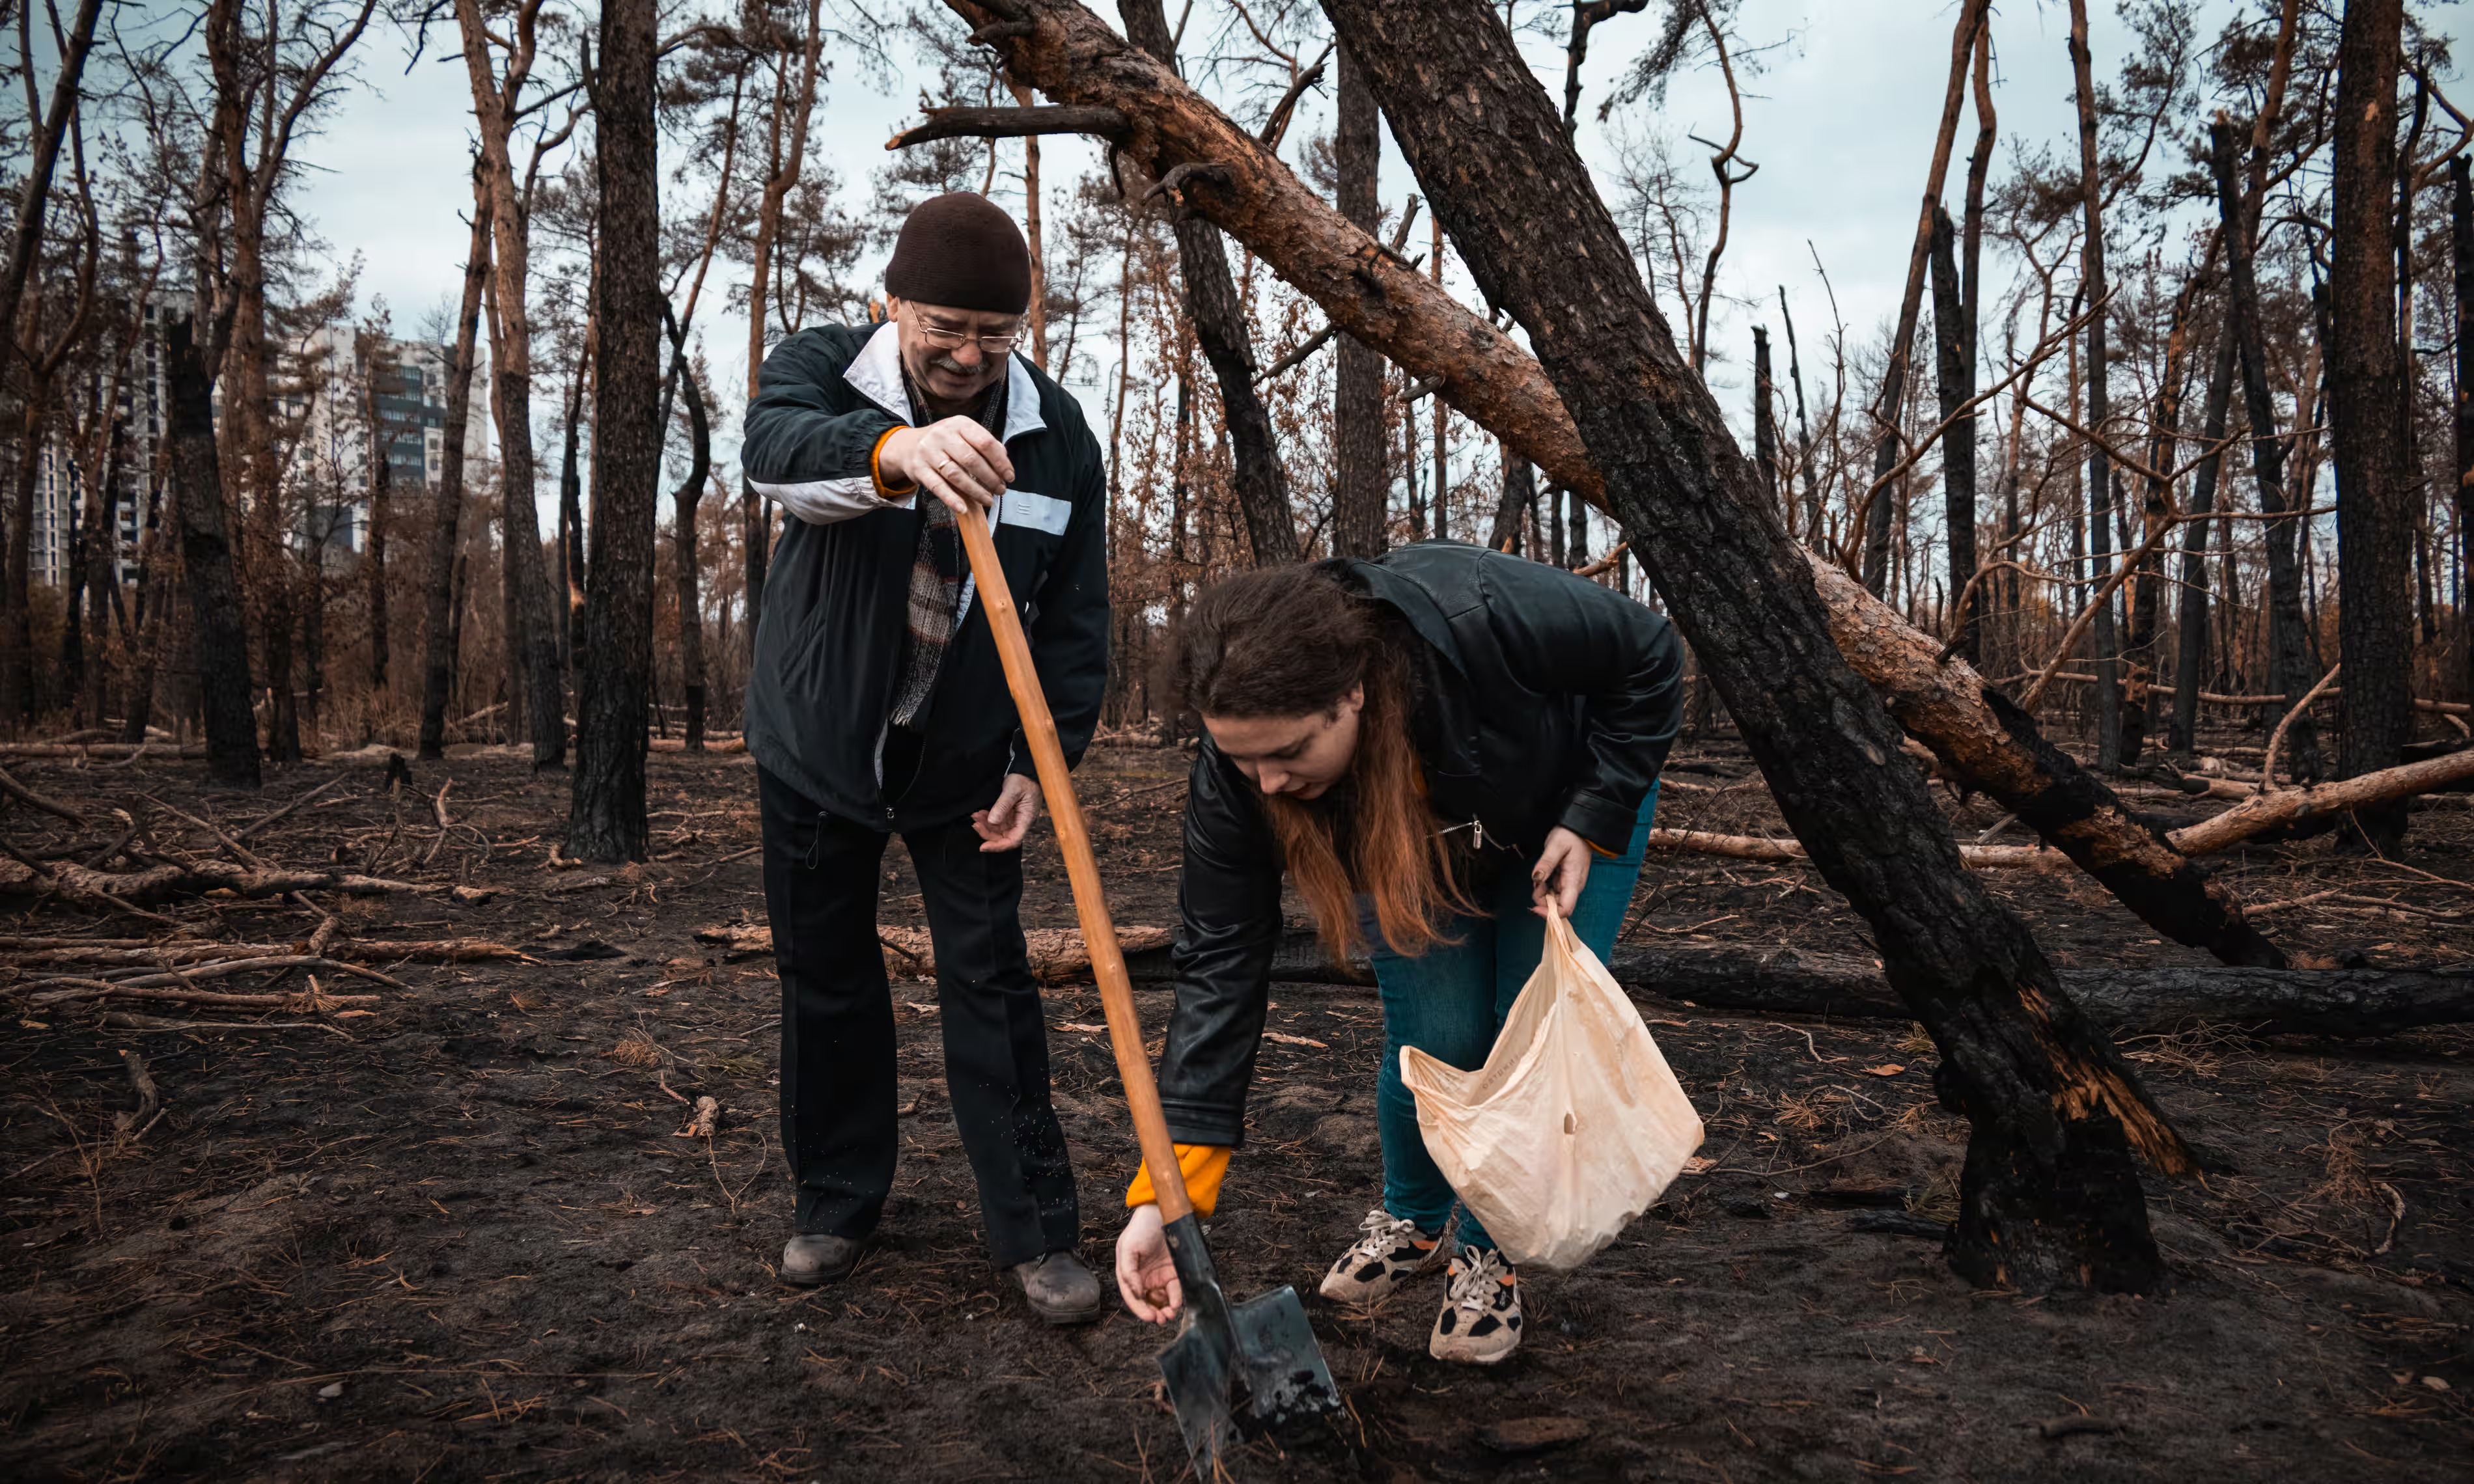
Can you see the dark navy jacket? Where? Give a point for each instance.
(836, 598)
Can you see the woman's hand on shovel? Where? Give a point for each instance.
(1146, 1274)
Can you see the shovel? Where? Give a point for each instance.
(1255, 1360)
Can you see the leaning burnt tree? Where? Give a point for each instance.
(2050, 1197)
(1158, 124)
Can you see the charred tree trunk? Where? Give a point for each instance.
(569, 540)
(1888, 409)
(2050, 1196)
(1218, 318)
(2191, 657)
(1765, 422)
(382, 486)
(2100, 411)
(1955, 356)
(2156, 499)
(447, 502)
(2288, 659)
(206, 551)
(1519, 493)
(686, 498)
(1362, 474)
(607, 819)
(2376, 489)
(2461, 237)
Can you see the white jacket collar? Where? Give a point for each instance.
(877, 375)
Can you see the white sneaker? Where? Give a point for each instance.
(1388, 1253)
(1481, 1319)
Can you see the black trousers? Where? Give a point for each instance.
(839, 1121)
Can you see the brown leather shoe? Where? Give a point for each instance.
(1062, 1290)
(808, 1261)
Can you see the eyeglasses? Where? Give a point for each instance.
(995, 347)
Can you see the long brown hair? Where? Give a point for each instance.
(1288, 641)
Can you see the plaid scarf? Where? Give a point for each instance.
(937, 574)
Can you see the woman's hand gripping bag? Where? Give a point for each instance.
(1572, 1127)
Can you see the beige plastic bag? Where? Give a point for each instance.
(1572, 1127)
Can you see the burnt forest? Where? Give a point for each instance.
(2048, 428)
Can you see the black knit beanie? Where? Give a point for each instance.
(963, 251)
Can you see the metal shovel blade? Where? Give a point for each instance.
(1256, 1361)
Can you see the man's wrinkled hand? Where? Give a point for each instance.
(1003, 824)
(955, 460)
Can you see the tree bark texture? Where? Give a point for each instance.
(1955, 360)
(447, 502)
(1765, 422)
(1073, 57)
(1258, 479)
(2289, 667)
(2100, 411)
(1362, 474)
(607, 813)
(221, 641)
(2461, 237)
(686, 498)
(2377, 493)
(532, 635)
(2050, 1196)
(1519, 493)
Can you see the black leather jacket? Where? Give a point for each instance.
(1542, 699)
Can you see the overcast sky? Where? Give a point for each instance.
(1840, 118)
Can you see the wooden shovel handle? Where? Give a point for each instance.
(1082, 868)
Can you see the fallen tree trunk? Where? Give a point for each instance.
(2255, 815)
(1769, 853)
(104, 888)
(1073, 56)
(2347, 1002)
(101, 750)
(136, 952)
(2262, 812)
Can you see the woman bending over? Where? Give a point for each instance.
(1432, 746)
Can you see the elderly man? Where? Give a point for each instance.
(878, 706)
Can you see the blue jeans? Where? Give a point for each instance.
(1450, 1002)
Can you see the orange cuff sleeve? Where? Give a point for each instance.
(1202, 1166)
(876, 471)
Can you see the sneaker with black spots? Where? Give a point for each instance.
(1389, 1252)
(1481, 1319)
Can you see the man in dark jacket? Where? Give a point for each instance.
(877, 705)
